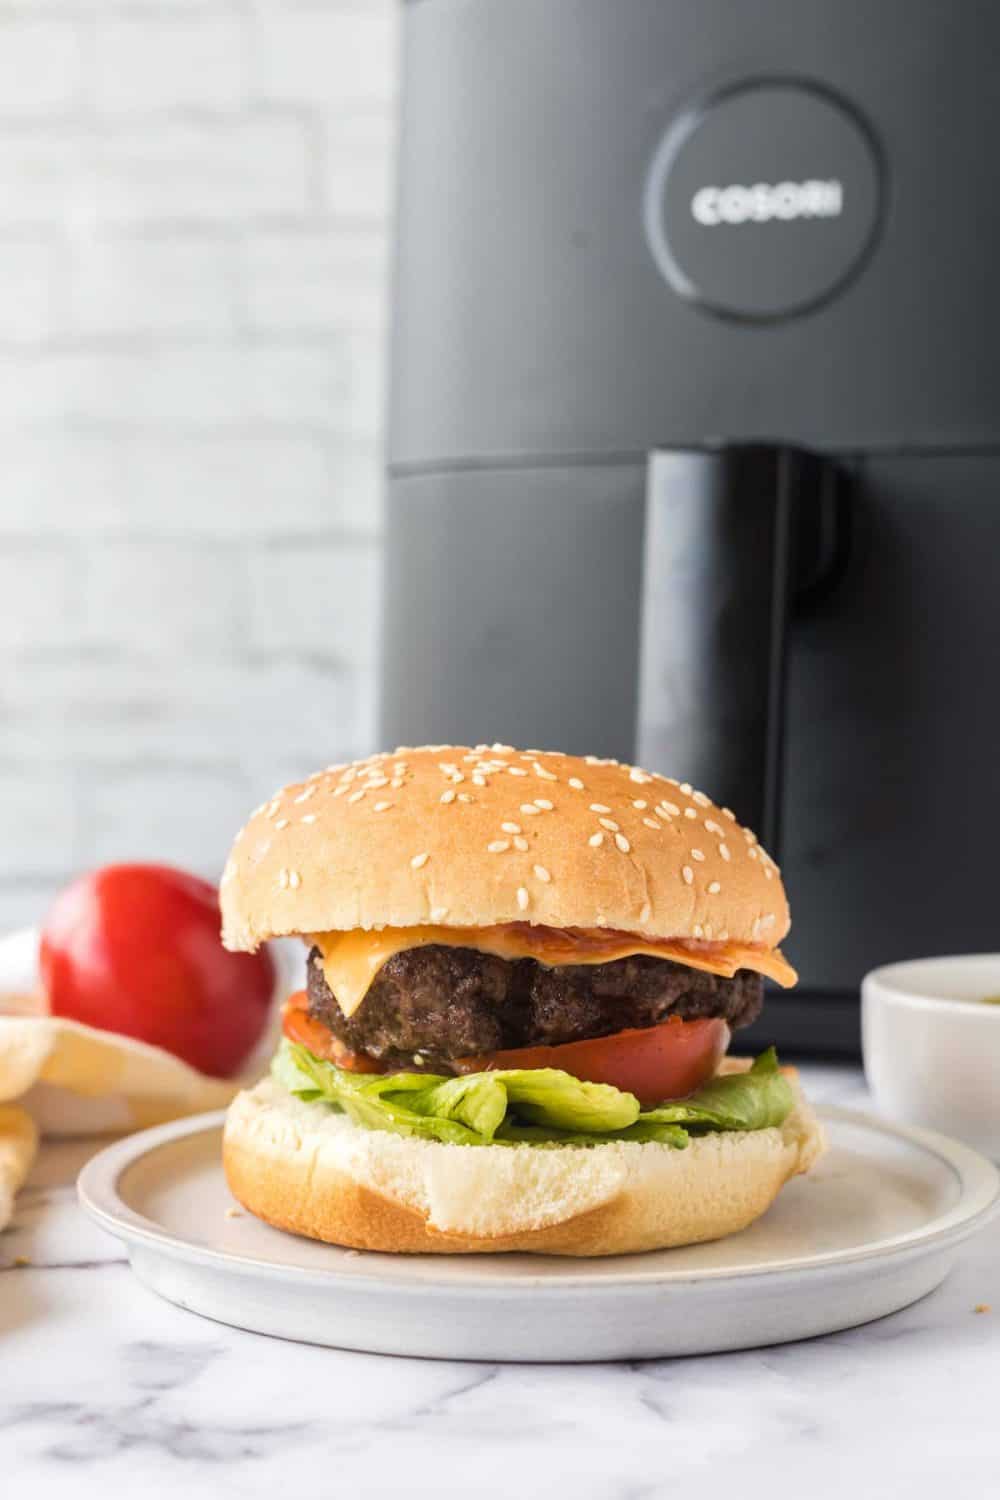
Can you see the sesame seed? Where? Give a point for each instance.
(690, 812)
(448, 796)
(699, 931)
(396, 782)
(727, 812)
(283, 879)
(712, 826)
(356, 796)
(669, 809)
(652, 823)
(714, 888)
(438, 913)
(599, 807)
(622, 842)
(646, 913)
(522, 897)
(498, 846)
(502, 749)
(281, 823)
(418, 861)
(768, 873)
(478, 779)
(306, 794)
(686, 788)
(609, 824)
(543, 805)
(375, 782)
(641, 805)
(521, 843)
(308, 818)
(688, 874)
(515, 771)
(767, 920)
(541, 771)
(576, 784)
(701, 799)
(724, 851)
(511, 827)
(596, 840)
(724, 935)
(708, 929)
(273, 807)
(466, 797)
(339, 791)
(752, 852)
(749, 835)
(697, 854)
(382, 806)
(294, 879)
(530, 810)
(640, 776)
(543, 874)
(755, 929)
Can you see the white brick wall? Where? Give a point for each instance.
(93, 173)
(32, 304)
(164, 283)
(194, 216)
(143, 64)
(41, 66)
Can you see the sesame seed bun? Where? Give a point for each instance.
(455, 837)
(303, 1168)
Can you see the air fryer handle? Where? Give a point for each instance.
(734, 539)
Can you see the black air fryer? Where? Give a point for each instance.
(695, 431)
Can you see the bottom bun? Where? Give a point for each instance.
(304, 1168)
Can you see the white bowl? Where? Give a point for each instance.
(932, 1048)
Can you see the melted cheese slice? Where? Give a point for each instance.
(351, 960)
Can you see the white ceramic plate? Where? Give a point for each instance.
(876, 1226)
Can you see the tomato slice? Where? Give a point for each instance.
(299, 1026)
(655, 1063)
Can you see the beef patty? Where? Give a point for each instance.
(446, 1003)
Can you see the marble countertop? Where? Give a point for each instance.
(105, 1390)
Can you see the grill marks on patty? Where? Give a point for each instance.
(446, 1003)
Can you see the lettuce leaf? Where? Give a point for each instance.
(755, 1100)
(512, 1133)
(400, 1102)
(557, 1100)
(537, 1106)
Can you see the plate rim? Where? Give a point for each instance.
(97, 1191)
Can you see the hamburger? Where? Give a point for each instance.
(523, 972)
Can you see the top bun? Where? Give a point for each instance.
(472, 838)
